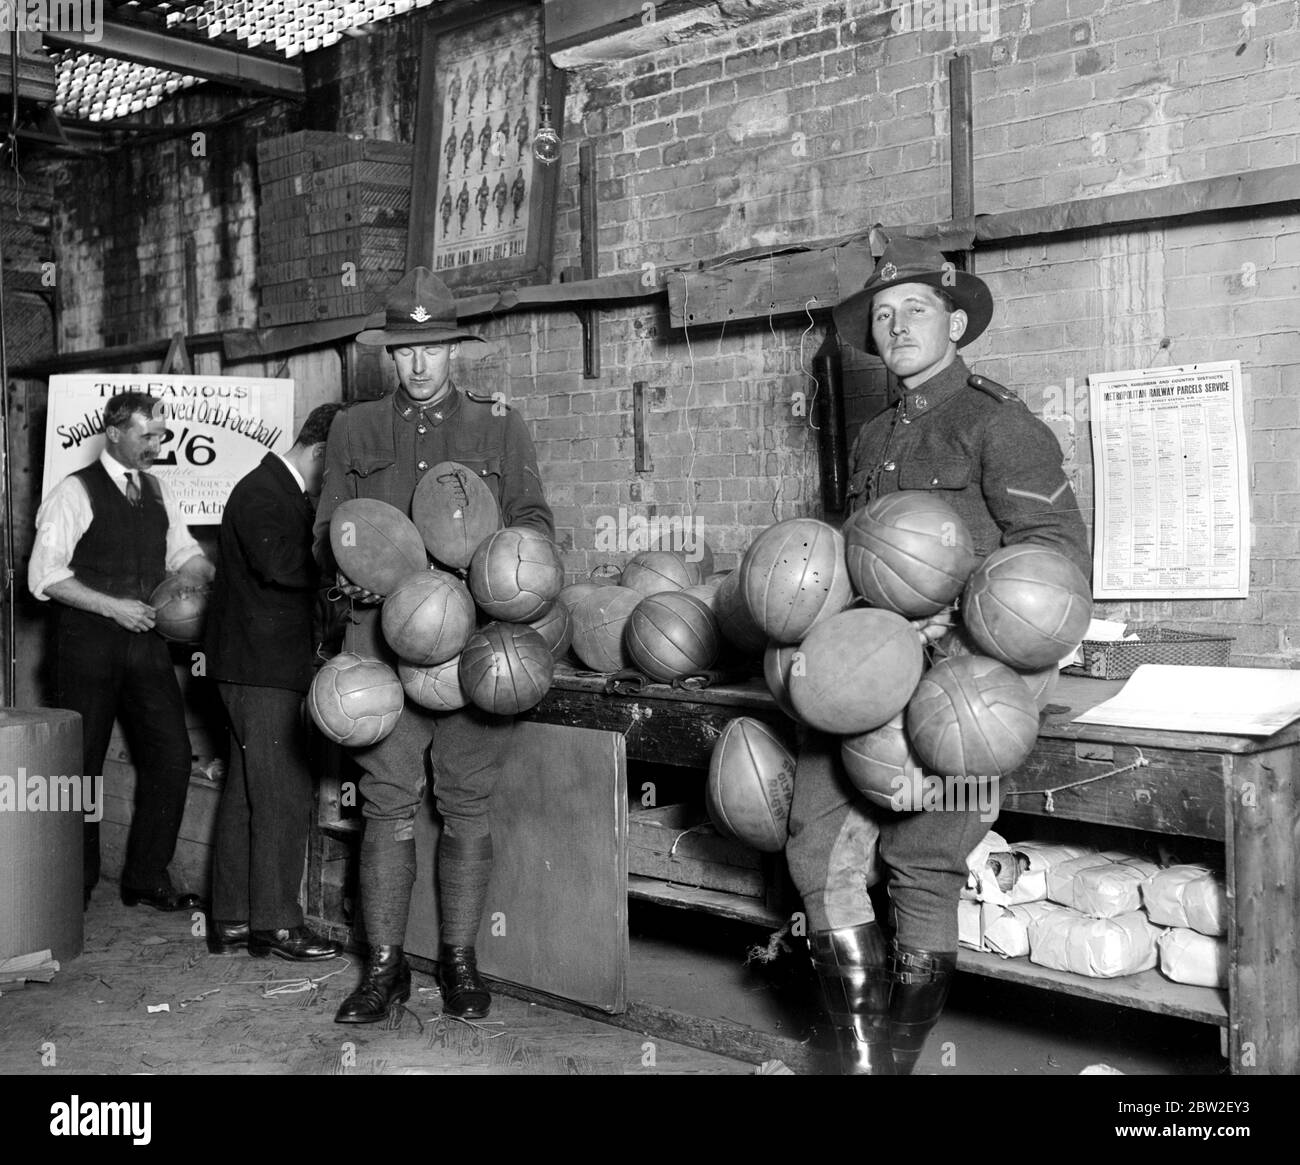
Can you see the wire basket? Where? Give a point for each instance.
(1109, 660)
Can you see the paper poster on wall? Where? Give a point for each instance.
(1169, 449)
(218, 429)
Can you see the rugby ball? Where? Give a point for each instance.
(454, 510)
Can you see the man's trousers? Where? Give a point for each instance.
(105, 672)
(840, 844)
(261, 836)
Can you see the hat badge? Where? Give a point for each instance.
(419, 315)
(888, 271)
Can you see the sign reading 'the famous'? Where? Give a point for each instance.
(218, 429)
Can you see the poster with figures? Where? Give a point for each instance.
(483, 217)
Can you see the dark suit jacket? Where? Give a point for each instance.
(259, 625)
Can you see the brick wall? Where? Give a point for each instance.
(146, 229)
(818, 123)
(26, 211)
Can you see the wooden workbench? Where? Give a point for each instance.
(1225, 789)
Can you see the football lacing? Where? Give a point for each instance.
(459, 491)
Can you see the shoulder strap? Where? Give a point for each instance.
(479, 398)
(997, 391)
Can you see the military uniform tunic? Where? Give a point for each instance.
(983, 452)
(381, 449)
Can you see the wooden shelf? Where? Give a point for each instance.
(711, 901)
(1148, 991)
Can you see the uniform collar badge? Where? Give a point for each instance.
(419, 315)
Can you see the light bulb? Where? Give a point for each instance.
(546, 142)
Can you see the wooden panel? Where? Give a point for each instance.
(775, 285)
(559, 881)
(1264, 967)
(1177, 792)
(1148, 991)
(191, 865)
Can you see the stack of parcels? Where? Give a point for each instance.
(332, 219)
(1192, 902)
(1071, 908)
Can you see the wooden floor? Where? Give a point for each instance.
(263, 1016)
(689, 982)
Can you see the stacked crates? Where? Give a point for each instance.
(332, 225)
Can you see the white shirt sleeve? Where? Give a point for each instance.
(66, 515)
(181, 547)
(63, 518)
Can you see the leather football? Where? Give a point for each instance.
(454, 510)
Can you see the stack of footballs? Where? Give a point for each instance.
(656, 616)
(492, 643)
(842, 657)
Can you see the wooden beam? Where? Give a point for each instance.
(1276, 186)
(121, 354)
(253, 74)
(962, 135)
(590, 257)
(849, 258)
(641, 462)
(776, 285)
(575, 22)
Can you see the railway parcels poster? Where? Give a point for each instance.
(1172, 495)
(218, 429)
(487, 96)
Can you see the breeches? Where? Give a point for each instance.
(457, 753)
(840, 845)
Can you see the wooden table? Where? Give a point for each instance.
(1231, 790)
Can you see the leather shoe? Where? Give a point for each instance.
(164, 898)
(226, 938)
(385, 985)
(464, 993)
(298, 943)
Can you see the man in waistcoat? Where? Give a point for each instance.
(107, 535)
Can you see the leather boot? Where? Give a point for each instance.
(464, 994)
(385, 984)
(921, 980)
(852, 967)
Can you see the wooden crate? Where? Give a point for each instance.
(659, 846)
(191, 865)
(296, 143)
(318, 149)
(329, 201)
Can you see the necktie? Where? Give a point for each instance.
(132, 490)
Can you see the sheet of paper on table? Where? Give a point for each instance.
(1234, 701)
